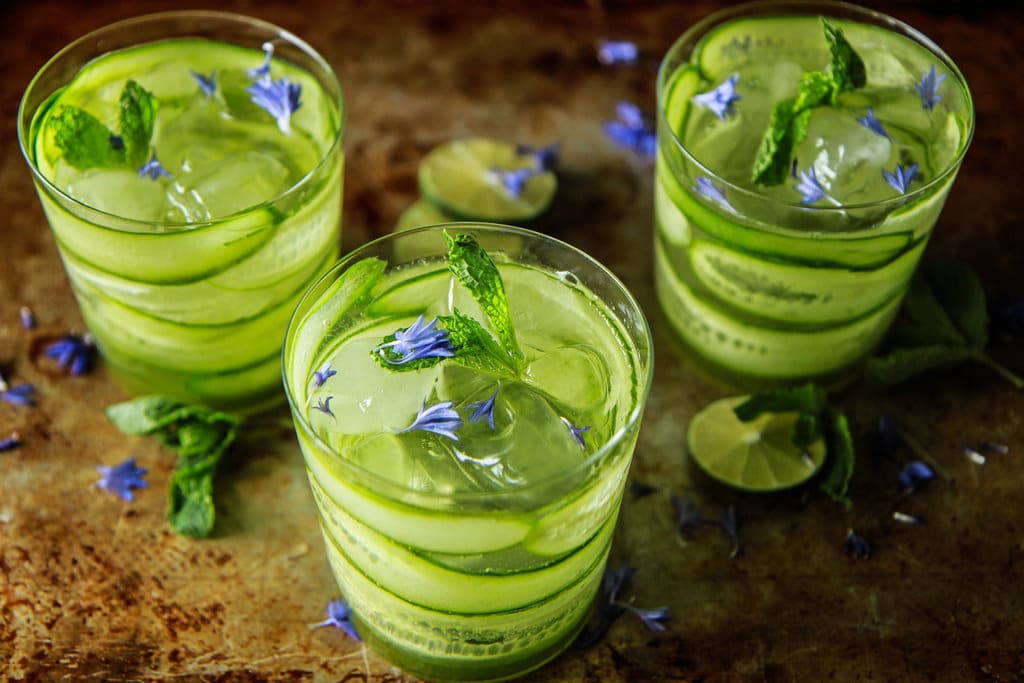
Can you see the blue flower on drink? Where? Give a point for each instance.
(810, 187)
(544, 158)
(324, 406)
(154, 169)
(263, 70)
(10, 443)
(914, 474)
(721, 99)
(611, 52)
(440, 418)
(632, 130)
(207, 84)
(873, 124)
(707, 189)
(28, 320)
(121, 479)
(514, 180)
(900, 178)
(280, 98)
(417, 341)
(484, 410)
(577, 432)
(323, 374)
(72, 352)
(928, 88)
(339, 615)
(857, 546)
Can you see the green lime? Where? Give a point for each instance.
(420, 213)
(460, 178)
(751, 456)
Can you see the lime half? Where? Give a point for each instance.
(461, 177)
(751, 456)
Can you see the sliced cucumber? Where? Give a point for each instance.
(735, 43)
(679, 93)
(671, 222)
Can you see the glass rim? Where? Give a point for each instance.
(764, 8)
(383, 486)
(333, 91)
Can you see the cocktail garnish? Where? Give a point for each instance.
(484, 410)
(324, 405)
(28, 320)
(945, 324)
(10, 443)
(721, 99)
(688, 514)
(73, 352)
(914, 474)
(323, 374)
(790, 117)
(928, 88)
(632, 130)
(611, 52)
(263, 70)
(339, 615)
(417, 342)
(810, 187)
(544, 158)
(200, 436)
(121, 479)
(136, 118)
(208, 84)
(18, 395)
(900, 177)
(280, 98)
(856, 546)
(154, 169)
(870, 122)
(441, 419)
(577, 432)
(707, 189)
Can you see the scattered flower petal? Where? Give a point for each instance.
(323, 374)
(415, 342)
(544, 158)
(900, 178)
(154, 169)
(441, 419)
(928, 88)
(577, 432)
(263, 70)
(611, 52)
(608, 607)
(727, 520)
(121, 479)
(280, 98)
(28, 320)
(904, 518)
(339, 615)
(709, 190)
(810, 187)
(973, 455)
(10, 443)
(688, 514)
(722, 98)
(324, 406)
(208, 84)
(914, 474)
(18, 395)
(73, 352)
(856, 546)
(513, 181)
(633, 130)
(653, 618)
(484, 410)
(873, 124)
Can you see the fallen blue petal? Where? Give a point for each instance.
(73, 353)
(10, 443)
(121, 479)
(914, 474)
(339, 615)
(28, 320)
(688, 514)
(621, 52)
(856, 546)
(19, 395)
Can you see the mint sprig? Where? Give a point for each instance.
(200, 436)
(787, 127)
(136, 118)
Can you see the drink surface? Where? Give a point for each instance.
(761, 284)
(187, 279)
(497, 539)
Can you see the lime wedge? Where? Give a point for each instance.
(420, 213)
(753, 456)
(459, 178)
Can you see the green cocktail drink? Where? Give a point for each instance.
(190, 168)
(798, 276)
(467, 503)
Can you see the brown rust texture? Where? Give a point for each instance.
(95, 589)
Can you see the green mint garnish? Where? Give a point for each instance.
(475, 347)
(86, 143)
(200, 436)
(945, 324)
(788, 125)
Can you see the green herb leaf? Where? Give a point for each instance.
(816, 88)
(902, 364)
(805, 399)
(959, 292)
(847, 68)
(772, 161)
(136, 118)
(84, 142)
(807, 429)
(836, 478)
(475, 347)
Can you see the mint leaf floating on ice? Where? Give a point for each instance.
(945, 323)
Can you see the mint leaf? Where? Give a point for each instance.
(475, 347)
(805, 399)
(847, 68)
(772, 161)
(959, 292)
(816, 88)
(136, 118)
(902, 364)
(83, 140)
(836, 478)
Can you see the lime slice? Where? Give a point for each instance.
(459, 178)
(420, 213)
(751, 456)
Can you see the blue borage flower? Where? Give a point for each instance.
(622, 52)
(324, 406)
(810, 187)
(928, 88)
(441, 419)
(339, 615)
(208, 84)
(900, 178)
(10, 443)
(154, 169)
(632, 130)
(707, 189)
(484, 410)
(873, 124)
(544, 158)
(609, 607)
(914, 474)
(415, 342)
(688, 514)
(28, 320)
(121, 479)
(280, 98)
(73, 352)
(722, 98)
(577, 432)
(263, 70)
(323, 374)
(18, 395)
(513, 181)
(856, 546)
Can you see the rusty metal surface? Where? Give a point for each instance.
(92, 588)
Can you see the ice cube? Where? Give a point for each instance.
(582, 376)
(120, 192)
(238, 182)
(847, 156)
